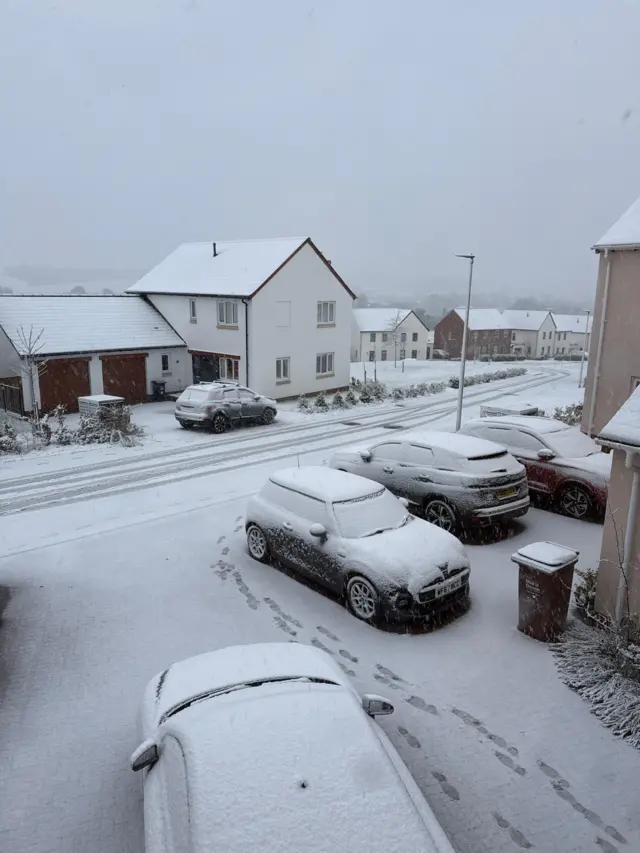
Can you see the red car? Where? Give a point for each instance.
(562, 463)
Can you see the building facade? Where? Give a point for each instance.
(389, 334)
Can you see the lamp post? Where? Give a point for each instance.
(465, 335)
(584, 348)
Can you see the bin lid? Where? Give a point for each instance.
(545, 556)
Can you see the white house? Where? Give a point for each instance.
(273, 314)
(79, 345)
(386, 334)
(570, 337)
(531, 332)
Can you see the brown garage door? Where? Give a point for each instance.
(63, 381)
(125, 376)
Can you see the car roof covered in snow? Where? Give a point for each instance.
(83, 324)
(535, 424)
(624, 426)
(237, 665)
(624, 232)
(325, 484)
(294, 766)
(379, 319)
(467, 446)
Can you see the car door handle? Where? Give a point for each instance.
(286, 526)
(422, 479)
(387, 470)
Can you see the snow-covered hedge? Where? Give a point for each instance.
(571, 415)
(494, 376)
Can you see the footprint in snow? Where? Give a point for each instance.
(418, 702)
(410, 739)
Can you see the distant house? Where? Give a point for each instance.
(488, 333)
(572, 332)
(387, 334)
(88, 345)
(273, 314)
(532, 332)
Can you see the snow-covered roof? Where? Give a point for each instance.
(239, 268)
(483, 319)
(531, 422)
(74, 324)
(453, 442)
(572, 322)
(624, 426)
(527, 321)
(624, 232)
(325, 484)
(379, 319)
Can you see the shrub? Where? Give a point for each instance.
(397, 394)
(303, 404)
(571, 415)
(411, 391)
(338, 401)
(365, 396)
(61, 433)
(377, 390)
(584, 593)
(110, 425)
(355, 383)
(320, 402)
(350, 398)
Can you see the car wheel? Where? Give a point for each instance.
(363, 599)
(575, 501)
(267, 416)
(441, 514)
(219, 424)
(186, 425)
(257, 544)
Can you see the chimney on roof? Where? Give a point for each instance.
(215, 251)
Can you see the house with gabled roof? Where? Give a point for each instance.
(389, 334)
(532, 332)
(273, 314)
(488, 333)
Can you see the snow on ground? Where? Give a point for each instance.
(106, 592)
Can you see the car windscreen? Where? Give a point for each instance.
(369, 515)
(571, 443)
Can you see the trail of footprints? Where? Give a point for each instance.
(505, 754)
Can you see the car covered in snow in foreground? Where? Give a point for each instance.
(355, 538)
(562, 463)
(268, 748)
(221, 405)
(456, 482)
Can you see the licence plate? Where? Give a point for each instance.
(446, 588)
(506, 493)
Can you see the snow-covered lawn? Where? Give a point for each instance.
(104, 593)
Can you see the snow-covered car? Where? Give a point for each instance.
(562, 463)
(355, 538)
(269, 748)
(220, 405)
(454, 481)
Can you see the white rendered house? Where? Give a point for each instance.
(389, 334)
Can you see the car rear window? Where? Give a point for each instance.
(196, 394)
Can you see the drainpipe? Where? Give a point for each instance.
(629, 537)
(603, 318)
(245, 302)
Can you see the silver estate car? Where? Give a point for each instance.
(220, 405)
(455, 481)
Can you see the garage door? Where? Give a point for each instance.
(125, 376)
(63, 381)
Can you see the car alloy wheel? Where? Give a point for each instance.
(257, 544)
(442, 515)
(363, 599)
(219, 424)
(575, 501)
(268, 416)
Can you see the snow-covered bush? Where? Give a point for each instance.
(320, 402)
(338, 401)
(110, 425)
(584, 593)
(377, 390)
(365, 396)
(303, 404)
(350, 398)
(61, 432)
(477, 378)
(9, 439)
(397, 394)
(356, 383)
(571, 415)
(411, 391)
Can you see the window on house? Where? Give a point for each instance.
(414, 336)
(513, 336)
(372, 355)
(165, 363)
(383, 355)
(227, 313)
(414, 353)
(544, 336)
(403, 336)
(548, 350)
(372, 337)
(229, 368)
(282, 369)
(193, 311)
(384, 337)
(562, 350)
(326, 313)
(402, 354)
(324, 363)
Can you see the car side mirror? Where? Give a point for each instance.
(366, 455)
(256, 397)
(546, 454)
(376, 706)
(404, 502)
(318, 531)
(145, 755)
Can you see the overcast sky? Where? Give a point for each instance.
(395, 134)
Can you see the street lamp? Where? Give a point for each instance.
(465, 334)
(584, 348)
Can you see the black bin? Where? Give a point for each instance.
(158, 387)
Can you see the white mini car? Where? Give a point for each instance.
(268, 748)
(355, 538)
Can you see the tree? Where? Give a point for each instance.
(394, 334)
(31, 363)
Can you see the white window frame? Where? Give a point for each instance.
(223, 367)
(325, 364)
(166, 372)
(403, 354)
(227, 313)
(383, 355)
(326, 313)
(372, 337)
(403, 337)
(414, 353)
(372, 355)
(193, 311)
(283, 369)
(414, 337)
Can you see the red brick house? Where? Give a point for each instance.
(488, 334)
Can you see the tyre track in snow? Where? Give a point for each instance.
(107, 479)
